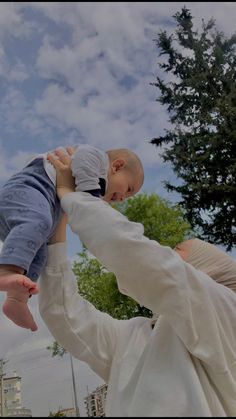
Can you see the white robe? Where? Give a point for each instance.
(186, 365)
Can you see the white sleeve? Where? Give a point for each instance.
(202, 312)
(76, 324)
(88, 164)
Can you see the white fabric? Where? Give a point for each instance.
(88, 164)
(213, 261)
(51, 172)
(186, 365)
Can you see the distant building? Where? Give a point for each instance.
(95, 401)
(12, 405)
(19, 412)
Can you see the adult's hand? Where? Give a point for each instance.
(61, 160)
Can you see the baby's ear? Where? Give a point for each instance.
(118, 164)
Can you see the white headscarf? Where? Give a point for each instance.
(209, 259)
(214, 262)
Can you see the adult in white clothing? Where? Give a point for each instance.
(183, 363)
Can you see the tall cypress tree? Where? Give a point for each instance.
(200, 97)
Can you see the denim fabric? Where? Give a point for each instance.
(29, 213)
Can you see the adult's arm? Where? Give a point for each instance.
(202, 312)
(77, 325)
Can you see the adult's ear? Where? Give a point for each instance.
(183, 249)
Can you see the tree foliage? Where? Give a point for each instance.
(199, 91)
(99, 287)
(59, 413)
(56, 349)
(162, 222)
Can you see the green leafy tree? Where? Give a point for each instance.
(199, 91)
(99, 287)
(59, 413)
(56, 349)
(162, 222)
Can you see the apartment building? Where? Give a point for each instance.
(95, 401)
(11, 395)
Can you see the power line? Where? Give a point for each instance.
(74, 388)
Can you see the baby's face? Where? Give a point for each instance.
(122, 184)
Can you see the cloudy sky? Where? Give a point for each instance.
(69, 73)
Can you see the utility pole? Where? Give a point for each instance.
(2, 387)
(74, 388)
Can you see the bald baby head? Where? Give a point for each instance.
(125, 176)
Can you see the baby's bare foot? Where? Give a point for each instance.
(16, 282)
(19, 313)
(18, 288)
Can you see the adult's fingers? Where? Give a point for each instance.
(55, 161)
(63, 156)
(70, 150)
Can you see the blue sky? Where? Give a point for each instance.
(73, 73)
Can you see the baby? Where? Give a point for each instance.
(30, 211)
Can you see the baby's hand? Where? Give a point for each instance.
(61, 160)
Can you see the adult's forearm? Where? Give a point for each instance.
(60, 232)
(74, 322)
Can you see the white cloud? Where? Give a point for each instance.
(97, 104)
(118, 17)
(12, 22)
(19, 72)
(17, 116)
(111, 44)
(10, 165)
